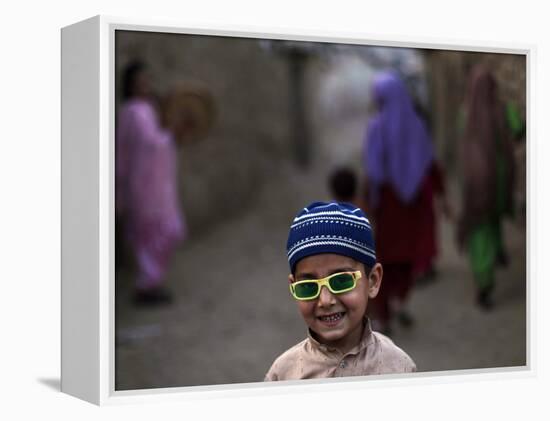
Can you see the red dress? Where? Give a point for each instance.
(405, 235)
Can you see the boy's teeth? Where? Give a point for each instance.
(332, 317)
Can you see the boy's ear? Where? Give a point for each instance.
(290, 278)
(375, 280)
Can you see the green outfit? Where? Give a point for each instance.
(485, 239)
(484, 242)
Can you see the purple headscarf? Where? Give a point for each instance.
(397, 149)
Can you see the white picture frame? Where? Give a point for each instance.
(88, 215)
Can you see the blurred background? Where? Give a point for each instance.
(268, 123)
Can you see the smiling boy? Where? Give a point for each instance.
(334, 273)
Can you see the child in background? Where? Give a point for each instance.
(343, 187)
(333, 274)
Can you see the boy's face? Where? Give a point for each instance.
(336, 319)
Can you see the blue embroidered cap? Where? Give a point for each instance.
(331, 227)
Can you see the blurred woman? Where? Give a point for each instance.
(402, 179)
(488, 180)
(147, 201)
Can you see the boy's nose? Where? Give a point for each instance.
(325, 297)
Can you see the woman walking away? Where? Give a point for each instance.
(488, 175)
(400, 175)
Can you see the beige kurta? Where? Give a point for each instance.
(375, 354)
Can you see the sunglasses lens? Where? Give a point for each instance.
(306, 290)
(341, 282)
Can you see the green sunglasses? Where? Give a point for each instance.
(337, 283)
